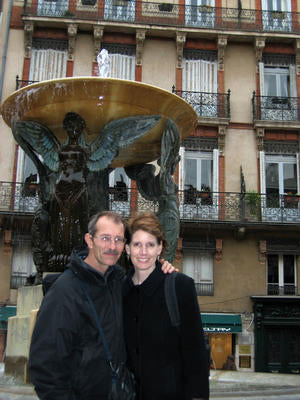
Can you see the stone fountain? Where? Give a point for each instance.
(76, 131)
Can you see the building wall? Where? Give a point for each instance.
(159, 61)
(84, 53)
(233, 285)
(239, 67)
(240, 151)
(5, 271)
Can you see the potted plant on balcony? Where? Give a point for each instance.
(252, 199)
(291, 200)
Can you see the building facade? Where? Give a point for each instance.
(237, 62)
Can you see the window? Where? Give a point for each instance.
(281, 278)
(278, 88)
(276, 15)
(22, 261)
(122, 61)
(119, 10)
(200, 81)
(198, 182)
(52, 7)
(199, 266)
(198, 171)
(119, 185)
(200, 13)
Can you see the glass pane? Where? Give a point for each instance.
(283, 85)
(206, 175)
(273, 268)
(272, 185)
(270, 84)
(288, 269)
(190, 173)
(290, 178)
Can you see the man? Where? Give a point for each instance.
(67, 358)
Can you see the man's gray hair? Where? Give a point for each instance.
(116, 218)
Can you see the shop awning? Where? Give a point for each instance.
(5, 313)
(221, 323)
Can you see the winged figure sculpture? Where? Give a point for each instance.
(71, 175)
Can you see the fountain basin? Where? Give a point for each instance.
(99, 101)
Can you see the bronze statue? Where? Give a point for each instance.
(73, 180)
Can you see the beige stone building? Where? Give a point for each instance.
(237, 63)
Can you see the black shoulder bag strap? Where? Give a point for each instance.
(171, 299)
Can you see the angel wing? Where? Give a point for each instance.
(117, 135)
(36, 138)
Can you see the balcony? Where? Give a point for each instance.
(207, 105)
(289, 289)
(271, 109)
(163, 14)
(204, 289)
(194, 206)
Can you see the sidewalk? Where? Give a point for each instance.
(223, 384)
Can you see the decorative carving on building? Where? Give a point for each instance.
(260, 134)
(180, 41)
(196, 143)
(98, 34)
(262, 254)
(140, 40)
(259, 47)
(219, 250)
(222, 43)
(281, 147)
(72, 32)
(28, 32)
(221, 139)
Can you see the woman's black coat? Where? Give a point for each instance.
(169, 363)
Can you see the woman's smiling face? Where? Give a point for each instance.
(143, 250)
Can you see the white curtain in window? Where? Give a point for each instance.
(22, 261)
(200, 76)
(122, 66)
(198, 266)
(47, 64)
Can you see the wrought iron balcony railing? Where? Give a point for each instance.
(212, 105)
(286, 290)
(22, 83)
(194, 205)
(162, 13)
(204, 289)
(275, 108)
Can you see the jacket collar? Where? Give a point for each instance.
(150, 285)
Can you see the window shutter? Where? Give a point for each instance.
(262, 172)
(261, 78)
(293, 83)
(215, 187)
(181, 169)
(122, 66)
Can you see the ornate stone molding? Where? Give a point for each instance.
(222, 43)
(297, 51)
(260, 134)
(259, 47)
(72, 32)
(221, 139)
(180, 41)
(219, 250)
(140, 40)
(28, 33)
(262, 251)
(98, 35)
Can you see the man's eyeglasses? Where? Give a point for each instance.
(105, 239)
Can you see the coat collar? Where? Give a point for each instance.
(150, 285)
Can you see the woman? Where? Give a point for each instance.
(169, 363)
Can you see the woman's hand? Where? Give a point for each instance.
(167, 268)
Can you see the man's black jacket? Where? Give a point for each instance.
(67, 359)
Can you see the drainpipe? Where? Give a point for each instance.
(5, 48)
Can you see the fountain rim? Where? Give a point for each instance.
(125, 82)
